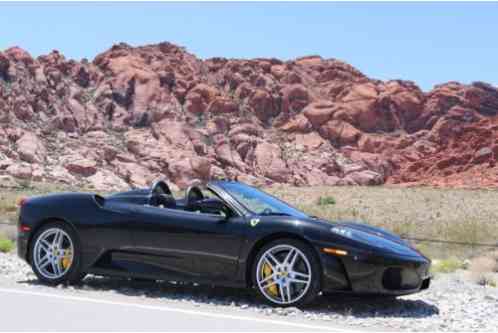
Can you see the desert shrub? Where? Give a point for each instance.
(485, 280)
(326, 200)
(446, 265)
(6, 245)
(482, 268)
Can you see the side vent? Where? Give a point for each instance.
(99, 200)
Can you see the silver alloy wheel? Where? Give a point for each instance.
(53, 253)
(290, 276)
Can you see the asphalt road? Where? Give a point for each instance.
(28, 309)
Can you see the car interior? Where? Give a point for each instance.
(195, 200)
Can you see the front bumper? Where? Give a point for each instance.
(374, 274)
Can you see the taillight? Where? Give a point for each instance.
(24, 228)
(22, 201)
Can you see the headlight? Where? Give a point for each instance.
(359, 235)
(342, 231)
(372, 239)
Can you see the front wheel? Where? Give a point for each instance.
(287, 273)
(55, 254)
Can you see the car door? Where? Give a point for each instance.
(188, 245)
(110, 229)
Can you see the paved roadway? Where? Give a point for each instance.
(50, 309)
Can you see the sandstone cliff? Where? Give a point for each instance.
(136, 114)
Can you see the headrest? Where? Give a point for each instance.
(166, 200)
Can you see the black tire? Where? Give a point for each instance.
(74, 275)
(316, 272)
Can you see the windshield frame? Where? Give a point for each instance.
(293, 211)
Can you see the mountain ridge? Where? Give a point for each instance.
(134, 114)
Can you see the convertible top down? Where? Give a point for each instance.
(223, 233)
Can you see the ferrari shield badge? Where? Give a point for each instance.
(254, 222)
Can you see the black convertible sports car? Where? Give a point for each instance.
(224, 233)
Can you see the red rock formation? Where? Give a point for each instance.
(136, 114)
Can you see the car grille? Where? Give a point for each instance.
(398, 278)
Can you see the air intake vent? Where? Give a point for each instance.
(99, 200)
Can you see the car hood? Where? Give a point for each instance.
(351, 232)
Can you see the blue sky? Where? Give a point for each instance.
(428, 43)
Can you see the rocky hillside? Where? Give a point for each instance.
(136, 114)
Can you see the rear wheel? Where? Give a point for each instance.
(287, 273)
(55, 254)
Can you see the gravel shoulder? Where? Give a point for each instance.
(452, 303)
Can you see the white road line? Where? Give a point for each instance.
(184, 311)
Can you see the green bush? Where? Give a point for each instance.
(327, 200)
(6, 245)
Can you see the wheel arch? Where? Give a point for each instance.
(42, 223)
(270, 238)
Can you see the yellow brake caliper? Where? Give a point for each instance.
(267, 271)
(66, 259)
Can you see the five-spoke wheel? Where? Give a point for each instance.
(286, 273)
(53, 254)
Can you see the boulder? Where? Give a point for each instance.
(262, 105)
(8, 181)
(483, 155)
(199, 97)
(227, 156)
(366, 177)
(222, 105)
(298, 124)
(201, 166)
(319, 112)
(81, 166)
(61, 174)
(134, 173)
(268, 160)
(310, 141)
(172, 133)
(341, 132)
(30, 148)
(294, 98)
(20, 170)
(105, 180)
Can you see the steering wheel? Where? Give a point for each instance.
(158, 189)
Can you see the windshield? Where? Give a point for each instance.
(259, 202)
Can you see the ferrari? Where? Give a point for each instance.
(220, 233)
